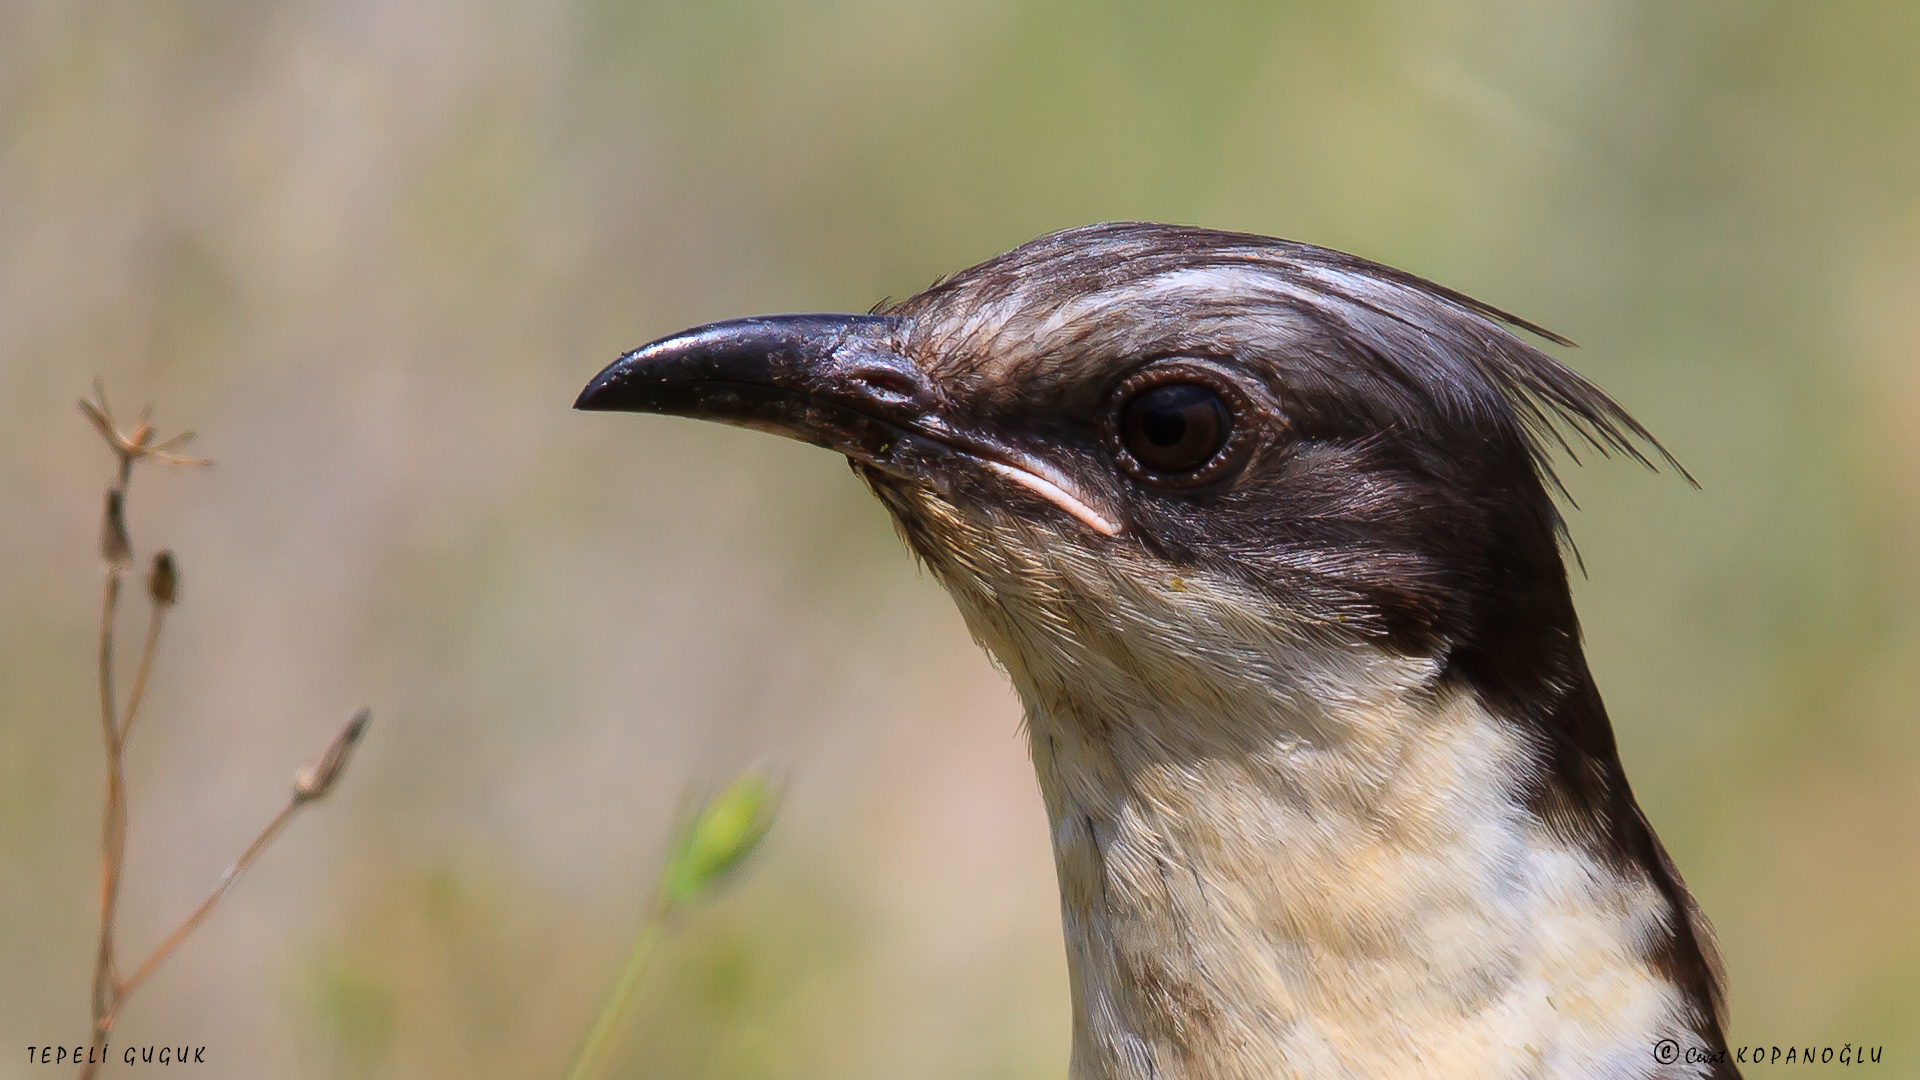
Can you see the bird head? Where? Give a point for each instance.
(1187, 454)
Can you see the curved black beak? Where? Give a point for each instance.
(831, 380)
(837, 381)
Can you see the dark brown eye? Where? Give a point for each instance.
(1174, 428)
(1181, 423)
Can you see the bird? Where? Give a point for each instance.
(1267, 538)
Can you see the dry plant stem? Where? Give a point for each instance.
(115, 549)
(140, 674)
(227, 881)
(311, 784)
(108, 988)
(106, 977)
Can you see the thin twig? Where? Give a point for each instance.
(106, 976)
(227, 881)
(311, 784)
(109, 718)
(139, 692)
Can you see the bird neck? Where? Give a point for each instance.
(1272, 880)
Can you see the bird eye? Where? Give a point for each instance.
(1175, 425)
(1174, 428)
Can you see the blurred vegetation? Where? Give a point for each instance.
(707, 851)
(373, 250)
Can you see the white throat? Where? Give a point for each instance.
(1380, 909)
(1330, 885)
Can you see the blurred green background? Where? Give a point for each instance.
(371, 251)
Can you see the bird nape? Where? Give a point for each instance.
(1265, 537)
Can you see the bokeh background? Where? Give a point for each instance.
(371, 251)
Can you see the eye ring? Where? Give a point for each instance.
(1225, 396)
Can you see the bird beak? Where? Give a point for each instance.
(836, 381)
(829, 380)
